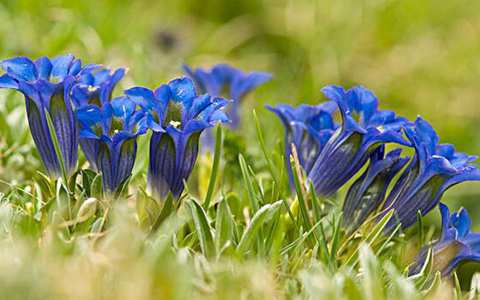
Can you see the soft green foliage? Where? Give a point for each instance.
(239, 232)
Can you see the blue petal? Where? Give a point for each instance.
(21, 68)
(183, 90)
(445, 212)
(44, 67)
(41, 137)
(90, 147)
(335, 93)
(218, 116)
(107, 165)
(89, 114)
(65, 129)
(426, 134)
(7, 82)
(204, 81)
(123, 107)
(185, 166)
(75, 67)
(126, 160)
(61, 66)
(461, 221)
(223, 73)
(195, 126)
(367, 193)
(241, 85)
(162, 165)
(142, 97)
(367, 102)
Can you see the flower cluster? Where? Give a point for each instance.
(177, 116)
(70, 104)
(308, 128)
(332, 155)
(456, 244)
(79, 103)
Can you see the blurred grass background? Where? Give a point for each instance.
(419, 56)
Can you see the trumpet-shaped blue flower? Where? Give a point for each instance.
(226, 81)
(308, 128)
(368, 192)
(176, 108)
(46, 85)
(115, 128)
(456, 244)
(434, 168)
(94, 87)
(364, 128)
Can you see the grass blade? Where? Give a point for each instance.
(260, 217)
(224, 225)
(215, 167)
(202, 227)
(167, 209)
(248, 183)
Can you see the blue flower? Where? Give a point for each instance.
(114, 128)
(364, 128)
(308, 128)
(226, 81)
(434, 168)
(184, 115)
(46, 85)
(94, 87)
(368, 192)
(456, 244)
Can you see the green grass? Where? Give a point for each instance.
(239, 233)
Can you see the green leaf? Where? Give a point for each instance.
(224, 226)
(261, 216)
(202, 226)
(167, 209)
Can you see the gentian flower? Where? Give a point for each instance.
(456, 244)
(368, 192)
(94, 87)
(184, 115)
(434, 168)
(308, 128)
(46, 85)
(226, 81)
(364, 128)
(115, 127)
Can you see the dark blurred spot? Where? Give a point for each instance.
(166, 40)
